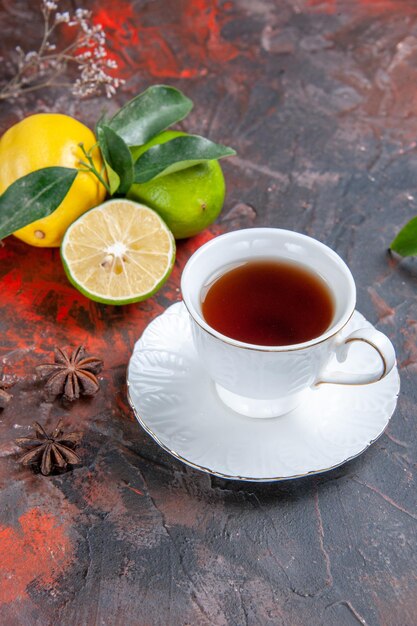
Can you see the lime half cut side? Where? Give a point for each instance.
(119, 252)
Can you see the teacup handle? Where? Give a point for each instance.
(378, 341)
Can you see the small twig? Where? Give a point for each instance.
(93, 64)
(90, 167)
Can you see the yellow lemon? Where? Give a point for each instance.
(45, 140)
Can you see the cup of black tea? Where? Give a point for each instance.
(267, 308)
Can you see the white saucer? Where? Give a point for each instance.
(175, 402)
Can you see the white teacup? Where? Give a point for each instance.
(267, 381)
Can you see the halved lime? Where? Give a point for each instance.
(119, 252)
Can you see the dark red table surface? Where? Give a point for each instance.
(319, 98)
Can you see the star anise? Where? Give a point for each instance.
(72, 374)
(50, 451)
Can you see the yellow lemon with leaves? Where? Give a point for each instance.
(47, 140)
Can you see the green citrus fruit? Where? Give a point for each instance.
(188, 200)
(44, 140)
(119, 252)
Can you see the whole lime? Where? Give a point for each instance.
(188, 200)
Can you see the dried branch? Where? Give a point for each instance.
(44, 67)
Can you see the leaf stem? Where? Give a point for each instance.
(91, 167)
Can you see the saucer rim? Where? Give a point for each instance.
(249, 479)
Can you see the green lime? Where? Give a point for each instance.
(119, 252)
(188, 200)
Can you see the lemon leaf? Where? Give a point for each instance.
(33, 197)
(150, 113)
(405, 243)
(177, 154)
(114, 178)
(117, 158)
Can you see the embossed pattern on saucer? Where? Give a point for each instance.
(175, 401)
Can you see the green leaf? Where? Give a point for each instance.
(119, 162)
(33, 196)
(405, 243)
(177, 154)
(113, 177)
(150, 113)
(102, 121)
